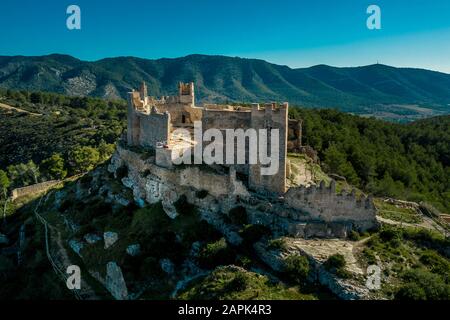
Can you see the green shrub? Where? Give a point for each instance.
(183, 207)
(391, 234)
(436, 264)
(238, 215)
(201, 194)
(297, 268)
(276, 244)
(252, 233)
(418, 280)
(215, 254)
(354, 235)
(244, 262)
(122, 172)
(411, 291)
(334, 262)
(239, 283)
(66, 204)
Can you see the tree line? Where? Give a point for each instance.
(406, 161)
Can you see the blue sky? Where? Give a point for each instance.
(298, 33)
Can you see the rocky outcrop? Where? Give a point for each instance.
(318, 251)
(300, 212)
(134, 249)
(76, 246)
(110, 238)
(3, 239)
(92, 238)
(115, 283)
(167, 266)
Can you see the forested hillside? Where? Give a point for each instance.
(408, 161)
(57, 135)
(71, 135)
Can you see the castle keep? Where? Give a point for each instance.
(301, 211)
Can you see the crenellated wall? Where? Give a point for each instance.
(323, 204)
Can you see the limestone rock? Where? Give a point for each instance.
(344, 289)
(167, 266)
(272, 258)
(140, 203)
(115, 283)
(121, 200)
(134, 249)
(76, 246)
(169, 209)
(195, 248)
(92, 238)
(3, 239)
(110, 238)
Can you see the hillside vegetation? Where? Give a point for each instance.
(407, 161)
(404, 161)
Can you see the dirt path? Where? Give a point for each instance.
(58, 257)
(427, 223)
(62, 258)
(9, 108)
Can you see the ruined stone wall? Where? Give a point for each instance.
(33, 189)
(226, 119)
(154, 128)
(180, 113)
(133, 122)
(294, 141)
(323, 204)
(154, 183)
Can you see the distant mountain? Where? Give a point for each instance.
(375, 89)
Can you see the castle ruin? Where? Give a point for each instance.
(152, 122)
(315, 211)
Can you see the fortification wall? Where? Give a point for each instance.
(323, 204)
(225, 119)
(133, 122)
(33, 189)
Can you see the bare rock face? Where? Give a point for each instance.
(76, 246)
(110, 238)
(115, 282)
(318, 251)
(92, 238)
(3, 239)
(134, 250)
(167, 266)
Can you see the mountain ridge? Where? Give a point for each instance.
(363, 90)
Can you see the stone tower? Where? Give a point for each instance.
(186, 93)
(143, 91)
(270, 117)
